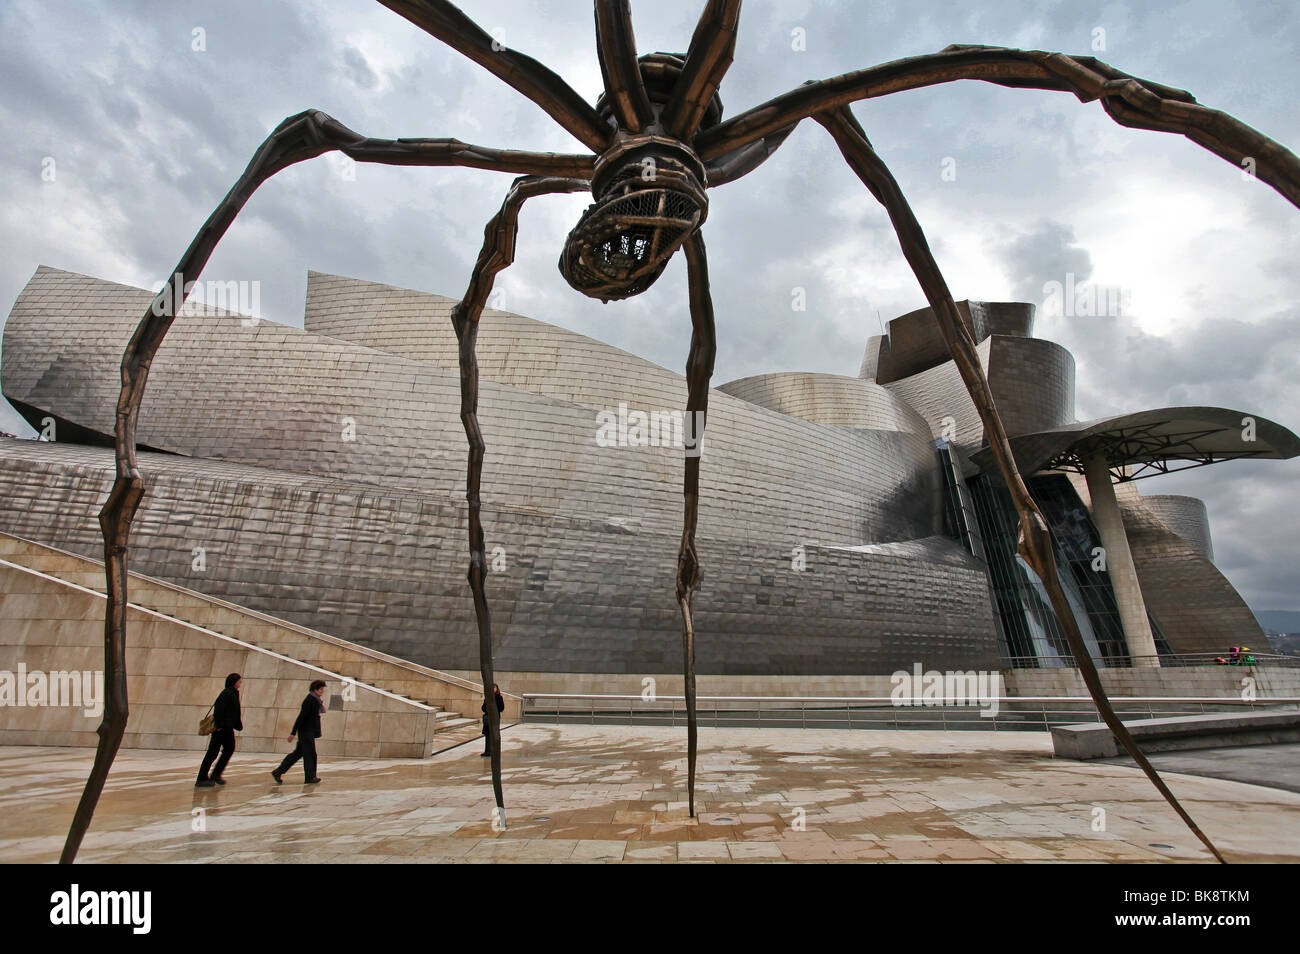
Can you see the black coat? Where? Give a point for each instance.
(501, 707)
(307, 725)
(226, 710)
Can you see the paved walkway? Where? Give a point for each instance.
(578, 793)
(1276, 765)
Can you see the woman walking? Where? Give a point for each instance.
(227, 721)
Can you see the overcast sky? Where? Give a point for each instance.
(147, 112)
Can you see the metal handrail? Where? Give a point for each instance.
(916, 712)
(890, 699)
(1167, 661)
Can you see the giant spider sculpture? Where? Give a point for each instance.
(658, 143)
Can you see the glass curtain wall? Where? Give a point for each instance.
(1028, 628)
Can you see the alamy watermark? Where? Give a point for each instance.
(77, 689)
(211, 298)
(1085, 299)
(934, 688)
(659, 428)
(76, 906)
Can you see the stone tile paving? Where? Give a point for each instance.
(604, 794)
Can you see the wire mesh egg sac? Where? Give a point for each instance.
(623, 243)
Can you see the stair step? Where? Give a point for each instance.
(444, 740)
(444, 725)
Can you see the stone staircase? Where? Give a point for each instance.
(448, 695)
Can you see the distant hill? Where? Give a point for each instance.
(1279, 621)
(1288, 645)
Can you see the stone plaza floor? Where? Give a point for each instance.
(613, 793)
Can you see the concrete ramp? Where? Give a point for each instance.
(1179, 734)
(181, 645)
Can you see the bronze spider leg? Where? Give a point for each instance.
(710, 53)
(1035, 538)
(304, 136)
(619, 69)
(498, 253)
(1130, 101)
(713, 45)
(447, 23)
(707, 60)
(699, 369)
(745, 159)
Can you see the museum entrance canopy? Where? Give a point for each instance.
(1156, 441)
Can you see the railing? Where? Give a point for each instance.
(1007, 713)
(1166, 661)
(276, 621)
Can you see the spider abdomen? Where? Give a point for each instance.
(650, 198)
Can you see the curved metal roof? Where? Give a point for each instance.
(1152, 442)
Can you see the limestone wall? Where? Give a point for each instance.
(176, 669)
(1208, 681)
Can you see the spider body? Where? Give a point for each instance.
(650, 196)
(657, 141)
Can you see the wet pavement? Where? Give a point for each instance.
(610, 793)
(1276, 766)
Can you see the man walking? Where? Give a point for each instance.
(307, 728)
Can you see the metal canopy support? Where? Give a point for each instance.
(1135, 452)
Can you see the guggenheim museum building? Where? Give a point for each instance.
(849, 524)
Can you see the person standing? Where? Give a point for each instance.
(307, 728)
(227, 720)
(501, 707)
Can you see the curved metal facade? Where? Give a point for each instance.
(1186, 517)
(323, 479)
(320, 473)
(829, 399)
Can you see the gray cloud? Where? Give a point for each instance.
(359, 69)
(1046, 253)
